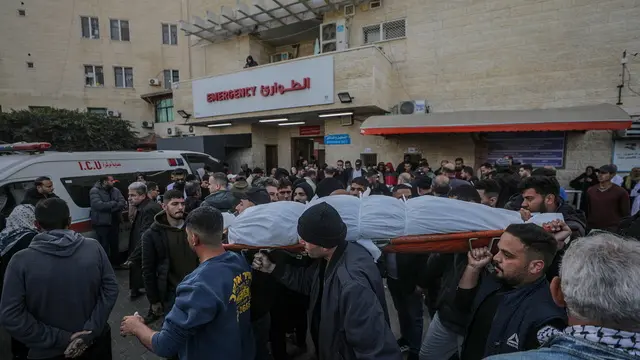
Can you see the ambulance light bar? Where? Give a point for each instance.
(39, 146)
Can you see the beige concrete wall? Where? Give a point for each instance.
(51, 34)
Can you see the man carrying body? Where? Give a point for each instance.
(58, 293)
(166, 256)
(210, 317)
(598, 286)
(507, 309)
(348, 313)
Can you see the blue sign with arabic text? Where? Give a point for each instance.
(539, 148)
(337, 139)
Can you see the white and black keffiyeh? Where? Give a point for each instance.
(625, 341)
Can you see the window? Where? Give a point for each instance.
(93, 76)
(90, 27)
(120, 30)
(12, 195)
(97, 111)
(79, 187)
(389, 30)
(164, 110)
(124, 77)
(169, 34)
(369, 160)
(170, 77)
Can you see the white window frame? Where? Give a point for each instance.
(120, 29)
(381, 30)
(172, 73)
(170, 38)
(91, 29)
(124, 77)
(93, 75)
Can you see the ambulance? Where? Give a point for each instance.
(75, 173)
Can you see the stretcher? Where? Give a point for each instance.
(435, 243)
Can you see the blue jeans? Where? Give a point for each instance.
(439, 342)
(409, 308)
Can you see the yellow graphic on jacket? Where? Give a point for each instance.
(241, 294)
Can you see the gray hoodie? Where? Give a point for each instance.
(61, 284)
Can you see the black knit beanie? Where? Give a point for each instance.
(308, 190)
(321, 225)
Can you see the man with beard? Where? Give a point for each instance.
(107, 204)
(179, 179)
(466, 174)
(303, 193)
(166, 256)
(43, 189)
(542, 195)
(506, 309)
(146, 210)
(348, 313)
(485, 170)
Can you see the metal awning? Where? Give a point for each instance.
(150, 97)
(580, 118)
(259, 16)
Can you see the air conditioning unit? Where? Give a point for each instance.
(283, 56)
(346, 120)
(174, 131)
(147, 125)
(413, 107)
(154, 82)
(113, 113)
(349, 10)
(334, 36)
(376, 4)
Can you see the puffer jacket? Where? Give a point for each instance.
(104, 204)
(222, 200)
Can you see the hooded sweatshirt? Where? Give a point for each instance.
(61, 284)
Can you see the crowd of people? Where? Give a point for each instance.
(567, 289)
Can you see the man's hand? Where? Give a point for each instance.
(78, 345)
(157, 309)
(478, 258)
(525, 214)
(129, 324)
(560, 230)
(262, 263)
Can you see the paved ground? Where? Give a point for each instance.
(127, 348)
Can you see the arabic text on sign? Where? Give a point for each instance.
(265, 91)
(97, 165)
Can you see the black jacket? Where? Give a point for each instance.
(440, 276)
(145, 214)
(222, 200)
(155, 259)
(32, 196)
(349, 317)
(105, 203)
(191, 203)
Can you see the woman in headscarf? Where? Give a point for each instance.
(16, 236)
